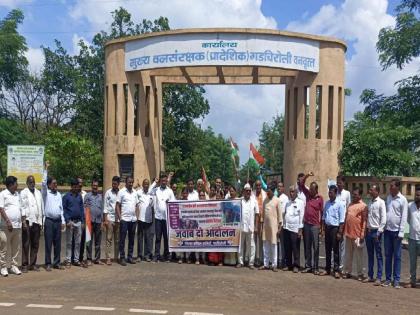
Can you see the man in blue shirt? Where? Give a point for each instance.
(332, 225)
(75, 221)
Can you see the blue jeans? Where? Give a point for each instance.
(374, 246)
(392, 256)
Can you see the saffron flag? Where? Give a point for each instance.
(88, 225)
(255, 155)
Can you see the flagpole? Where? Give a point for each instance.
(249, 157)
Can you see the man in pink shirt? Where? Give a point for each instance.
(311, 225)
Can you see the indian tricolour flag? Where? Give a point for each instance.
(234, 153)
(255, 156)
(88, 225)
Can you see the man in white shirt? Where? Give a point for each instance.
(375, 227)
(192, 193)
(10, 227)
(83, 233)
(54, 222)
(112, 225)
(301, 178)
(292, 226)
(249, 210)
(396, 218)
(192, 196)
(344, 196)
(163, 195)
(260, 196)
(145, 228)
(413, 219)
(33, 207)
(127, 212)
(281, 252)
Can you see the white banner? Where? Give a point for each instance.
(24, 160)
(222, 49)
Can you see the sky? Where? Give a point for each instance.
(235, 111)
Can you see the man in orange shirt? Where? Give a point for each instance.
(354, 232)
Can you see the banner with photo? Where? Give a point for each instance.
(204, 226)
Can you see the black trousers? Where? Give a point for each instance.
(281, 251)
(145, 232)
(311, 242)
(30, 244)
(292, 248)
(161, 229)
(52, 235)
(332, 244)
(96, 238)
(127, 227)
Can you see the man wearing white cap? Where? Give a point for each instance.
(249, 209)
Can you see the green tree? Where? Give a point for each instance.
(71, 156)
(271, 143)
(13, 63)
(378, 148)
(11, 133)
(385, 138)
(398, 45)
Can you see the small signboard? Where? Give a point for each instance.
(24, 160)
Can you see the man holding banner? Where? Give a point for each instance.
(249, 210)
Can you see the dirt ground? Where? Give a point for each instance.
(179, 289)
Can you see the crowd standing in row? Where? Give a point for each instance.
(273, 225)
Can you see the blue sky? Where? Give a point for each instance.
(355, 21)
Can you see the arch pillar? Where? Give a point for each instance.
(318, 152)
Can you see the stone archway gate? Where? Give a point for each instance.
(311, 67)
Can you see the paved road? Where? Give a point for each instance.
(170, 288)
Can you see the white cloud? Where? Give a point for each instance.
(181, 13)
(238, 111)
(75, 41)
(358, 22)
(36, 59)
(13, 3)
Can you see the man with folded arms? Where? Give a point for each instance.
(354, 233)
(375, 227)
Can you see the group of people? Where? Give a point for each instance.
(272, 227)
